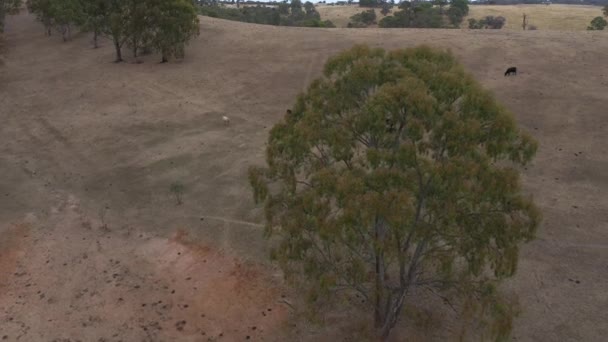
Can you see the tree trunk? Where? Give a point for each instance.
(134, 46)
(64, 32)
(381, 292)
(118, 52)
(164, 60)
(95, 34)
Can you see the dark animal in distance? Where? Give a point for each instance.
(511, 71)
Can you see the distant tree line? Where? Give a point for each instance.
(568, 2)
(436, 14)
(143, 26)
(282, 14)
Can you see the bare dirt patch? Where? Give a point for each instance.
(79, 279)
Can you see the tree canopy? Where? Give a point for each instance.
(395, 172)
(165, 25)
(597, 24)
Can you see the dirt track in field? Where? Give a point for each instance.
(94, 248)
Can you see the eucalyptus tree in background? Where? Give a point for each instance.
(8, 7)
(67, 14)
(43, 11)
(94, 11)
(175, 23)
(397, 172)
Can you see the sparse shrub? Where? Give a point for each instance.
(177, 189)
(532, 27)
(597, 24)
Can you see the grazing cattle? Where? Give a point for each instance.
(226, 120)
(511, 71)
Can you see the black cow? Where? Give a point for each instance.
(511, 71)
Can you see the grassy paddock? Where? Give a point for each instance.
(552, 17)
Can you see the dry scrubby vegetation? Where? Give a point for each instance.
(394, 173)
(143, 26)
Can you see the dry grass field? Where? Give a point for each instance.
(94, 248)
(552, 17)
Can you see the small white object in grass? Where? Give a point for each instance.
(226, 119)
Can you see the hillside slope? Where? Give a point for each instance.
(91, 238)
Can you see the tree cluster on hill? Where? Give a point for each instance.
(165, 26)
(427, 14)
(284, 14)
(396, 173)
(363, 19)
(489, 22)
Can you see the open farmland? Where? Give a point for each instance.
(94, 248)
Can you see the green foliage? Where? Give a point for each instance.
(414, 15)
(605, 11)
(176, 22)
(363, 19)
(397, 171)
(489, 22)
(294, 14)
(462, 5)
(93, 17)
(8, 7)
(66, 14)
(455, 15)
(166, 25)
(598, 23)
